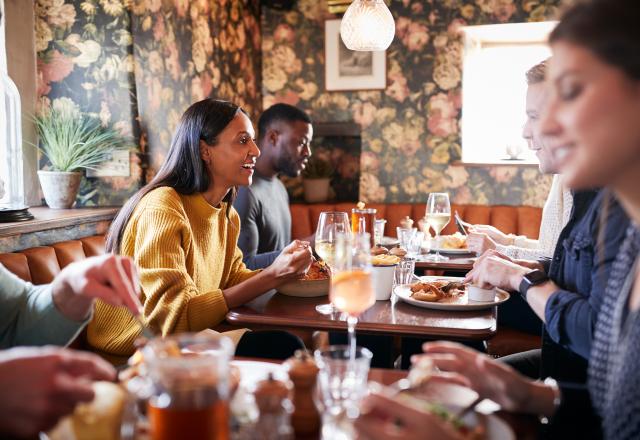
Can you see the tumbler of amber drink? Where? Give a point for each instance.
(189, 381)
(364, 220)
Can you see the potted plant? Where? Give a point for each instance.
(72, 142)
(316, 179)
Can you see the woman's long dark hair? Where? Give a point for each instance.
(183, 169)
(608, 28)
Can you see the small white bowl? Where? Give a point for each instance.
(481, 295)
(382, 277)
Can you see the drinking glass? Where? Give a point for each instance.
(378, 230)
(351, 288)
(330, 224)
(363, 220)
(438, 216)
(404, 271)
(188, 386)
(342, 383)
(405, 235)
(414, 244)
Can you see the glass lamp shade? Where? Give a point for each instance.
(367, 25)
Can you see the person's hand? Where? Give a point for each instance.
(493, 233)
(490, 379)
(39, 385)
(111, 278)
(479, 242)
(293, 262)
(531, 264)
(493, 269)
(386, 418)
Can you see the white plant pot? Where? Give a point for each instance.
(60, 188)
(316, 190)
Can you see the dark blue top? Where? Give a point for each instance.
(582, 268)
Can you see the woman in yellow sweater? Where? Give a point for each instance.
(182, 232)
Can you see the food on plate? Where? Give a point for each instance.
(385, 260)
(400, 252)
(317, 271)
(454, 241)
(99, 419)
(434, 291)
(379, 250)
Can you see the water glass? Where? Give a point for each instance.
(404, 271)
(378, 230)
(405, 235)
(414, 244)
(342, 383)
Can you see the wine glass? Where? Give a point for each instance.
(438, 216)
(351, 289)
(330, 224)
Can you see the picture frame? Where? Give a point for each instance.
(351, 70)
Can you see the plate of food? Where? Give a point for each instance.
(315, 282)
(455, 244)
(444, 293)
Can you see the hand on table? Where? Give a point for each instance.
(491, 379)
(496, 235)
(111, 278)
(39, 385)
(293, 262)
(493, 269)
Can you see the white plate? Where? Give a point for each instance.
(426, 247)
(305, 288)
(252, 372)
(461, 303)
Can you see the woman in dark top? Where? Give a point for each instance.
(593, 125)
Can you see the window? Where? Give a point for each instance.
(496, 58)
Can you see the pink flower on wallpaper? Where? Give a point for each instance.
(289, 97)
(283, 33)
(456, 176)
(442, 114)
(455, 25)
(181, 7)
(363, 113)
(417, 8)
(159, 29)
(154, 5)
(503, 174)
(369, 161)
(463, 196)
(43, 87)
(57, 69)
(413, 35)
(172, 61)
(348, 166)
(398, 88)
(410, 147)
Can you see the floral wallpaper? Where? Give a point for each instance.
(411, 129)
(138, 64)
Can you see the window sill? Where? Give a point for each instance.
(55, 225)
(502, 163)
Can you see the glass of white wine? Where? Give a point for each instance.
(438, 216)
(330, 225)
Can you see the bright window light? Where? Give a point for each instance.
(496, 58)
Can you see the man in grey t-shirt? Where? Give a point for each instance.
(284, 136)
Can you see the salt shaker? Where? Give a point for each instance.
(303, 372)
(406, 223)
(272, 399)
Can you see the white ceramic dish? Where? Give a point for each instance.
(461, 303)
(383, 281)
(305, 288)
(481, 295)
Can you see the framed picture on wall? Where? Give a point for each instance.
(351, 70)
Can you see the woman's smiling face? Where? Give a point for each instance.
(231, 161)
(592, 121)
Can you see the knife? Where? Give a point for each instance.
(459, 223)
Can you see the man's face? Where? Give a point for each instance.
(537, 95)
(293, 146)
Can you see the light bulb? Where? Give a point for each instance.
(367, 25)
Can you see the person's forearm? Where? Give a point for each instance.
(542, 400)
(537, 296)
(249, 289)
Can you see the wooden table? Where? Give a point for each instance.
(274, 310)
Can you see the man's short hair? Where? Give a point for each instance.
(280, 112)
(537, 73)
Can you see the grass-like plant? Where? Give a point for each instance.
(72, 142)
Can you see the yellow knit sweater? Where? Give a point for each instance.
(186, 253)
